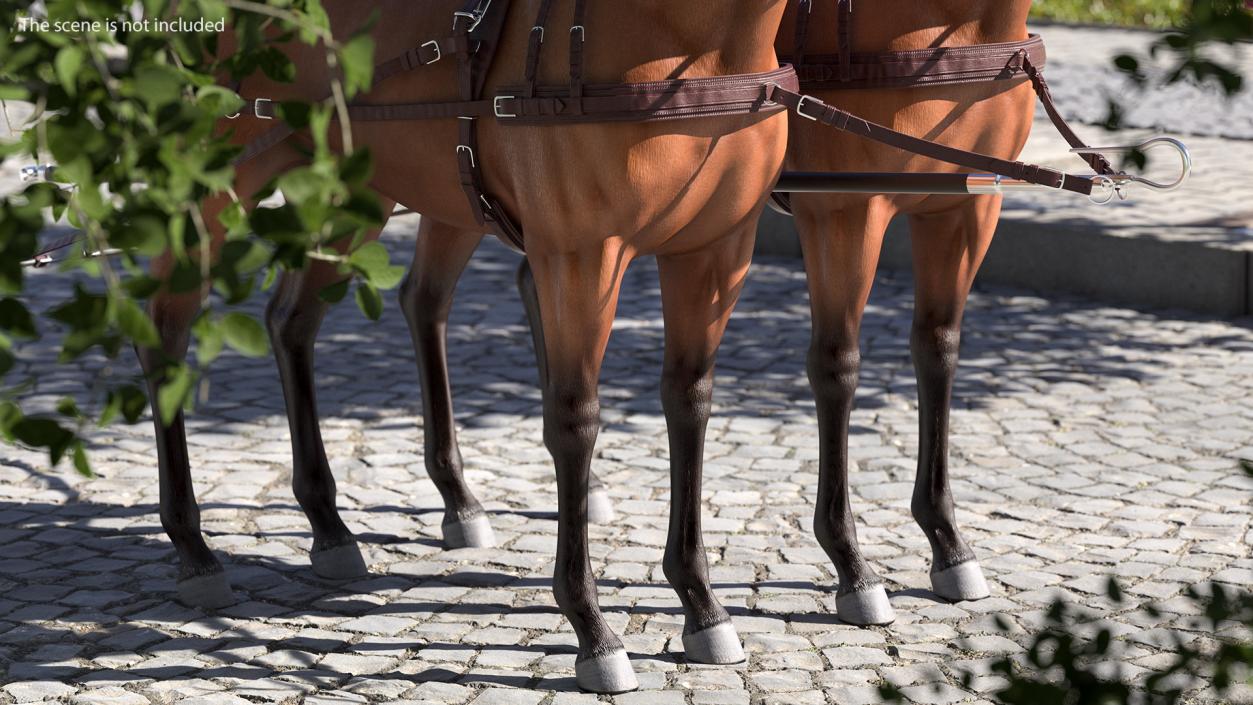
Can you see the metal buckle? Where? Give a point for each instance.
(475, 16)
(498, 110)
(581, 30)
(438, 54)
(256, 108)
(539, 29)
(464, 148)
(800, 107)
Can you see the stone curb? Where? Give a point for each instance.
(1118, 265)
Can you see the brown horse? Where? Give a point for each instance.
(842, 235)
(591, 198)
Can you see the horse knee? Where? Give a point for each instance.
(935, 346)
(687, 389)
(571, 419)
(834, 368)
(423, 304)
(291, 326)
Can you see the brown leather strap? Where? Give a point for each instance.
(415, 58)
(1099, 163)
(534, 44)
(578, 37)
(846, 39)
(804, 9)
(648, 102)
(815, 109)
(922, 67)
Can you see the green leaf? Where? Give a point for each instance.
(369, 301)
(16, 320)
(357, 61)
(68, 62)
(174, 392)
(43, 433)
(135, 323)
(157, 85)
(81, 464)
(335, 293)
(209, 340)
(374, 263)
(243, 333)
(129, 401)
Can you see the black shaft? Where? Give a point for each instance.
(871, 182)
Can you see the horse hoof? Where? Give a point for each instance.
(718, 645)
(599, 507)
(339, 563)
(865, 607)
(963, 581)
(475, 532)
(610, 674)
(211, 591)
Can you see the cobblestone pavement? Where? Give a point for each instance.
(1087, 441)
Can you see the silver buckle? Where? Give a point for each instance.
(465, 148)
(539, 29)
(438, 54)
(475, 16)
(256, 108)
(498, 110)
(581, 30)
(801, 104)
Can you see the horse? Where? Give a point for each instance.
(686, 191)
(841, 236)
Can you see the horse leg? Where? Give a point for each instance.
(599, 506)
(293, 318)
(201, 580)
(580, 290)
(948, 249)
(440, 257)
(698, 293)
(841, 254)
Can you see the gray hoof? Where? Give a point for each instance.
(210, 591)
(599, 507)
(475, 532)
(611, 673)
(864, 607)
(339, 563)
(719, 645)
(963, 581)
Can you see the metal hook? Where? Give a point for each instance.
(1185, 159)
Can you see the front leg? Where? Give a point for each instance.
(698, 291)
(948, 249)
(572, 289)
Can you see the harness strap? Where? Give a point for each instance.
(615, 102)
(940, 66)
(1099, 163)
(803, 10)
(846, 39)
(578, 36)
(534, 44)
(814, 109)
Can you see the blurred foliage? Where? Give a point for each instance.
(132, 120)
(1070, 663)
(1073, 661)
(1154, 14)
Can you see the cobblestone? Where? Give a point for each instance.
(1053, 399)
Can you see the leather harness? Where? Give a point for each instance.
(940, 66)
(476, 36)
